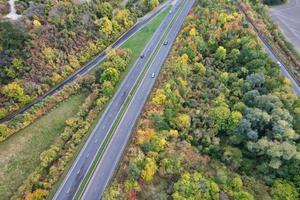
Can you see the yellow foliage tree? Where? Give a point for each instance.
(184, 58)
(149, 170)
(193, 32)
(56, 78)
(105, 26)
(183, 121)
(36, 23)
(159, 97)
(173, 133)
(38, 194)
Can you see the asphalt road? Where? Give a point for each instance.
(93, 63)
(284, 71)
(85, 158)
(114, 151)
(288, 18)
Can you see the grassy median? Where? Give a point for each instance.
(138, 42)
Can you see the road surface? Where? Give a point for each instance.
(92, 64)
(288, 17)
(109, 162)
(85, 158)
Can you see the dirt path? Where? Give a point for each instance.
(13, 13)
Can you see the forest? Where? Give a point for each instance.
(53, 39)
(258, 14)
(221, 123)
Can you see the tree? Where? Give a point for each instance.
(110, 74)
(159, 97)
(256, 80)
(16, 92)
(170, 165)
(199, 68)
(123, 17)
(195, 186)
(149, 169)
(16, 67)
(193, 32)
(259, 119)
(284, 190)
(12, 36)
(220, 53)
(242, 195)
(182, 121)
(133, 171)
(113, 192)
(49, 156)
(107, 88)
(105, 26)
(38, 194)
(151, 4)
(219, 116)
(4, 132)
(104, 10)
(232, 156)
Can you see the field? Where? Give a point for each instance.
(19, 155)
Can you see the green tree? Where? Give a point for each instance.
(110, 74)
(220, 53)
(284, 190)
(104, 10)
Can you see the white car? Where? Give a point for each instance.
(279, 63)
(152, 75)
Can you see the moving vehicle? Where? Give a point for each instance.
(152, 75)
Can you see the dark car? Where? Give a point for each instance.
(166, 43)
(142, 56)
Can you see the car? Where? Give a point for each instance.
(170, 11)
(152, 75)
(166, 43)
(279, 63)
(142, 56)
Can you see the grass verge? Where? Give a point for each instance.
(19, 155)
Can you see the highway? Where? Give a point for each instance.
(109, 162)
(125, 95)
(93, 63)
